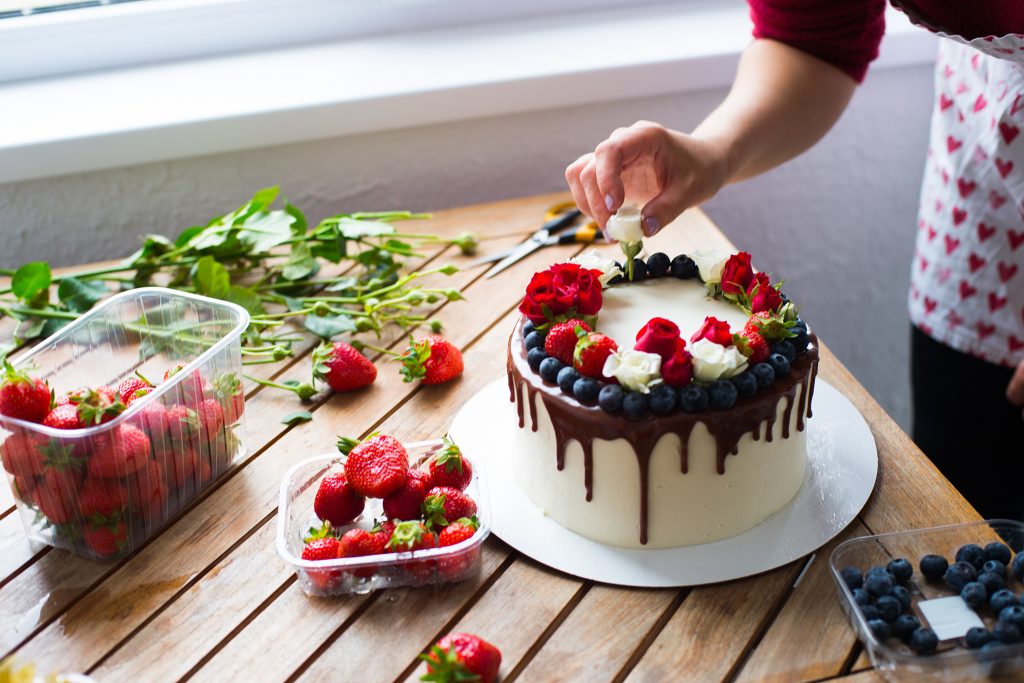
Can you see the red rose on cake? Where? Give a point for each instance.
(659, 336)
(737, 274)
(563, 290)
(714, 330)
(677, 369)
(763, 296)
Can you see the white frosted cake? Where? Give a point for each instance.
(646, 441)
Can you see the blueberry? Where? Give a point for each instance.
(870, 612)
(904, 626)
(1013, 614)
(992, 645)
(528, 327)
(861, 597)
(1005, 632)
(1000, 552)
(959, 575)
(693, 398)
(974, 594)
(994, 567)
(683, 267)
(549, 369)
(852, 577)
(722, 393)
(923, 641)
(800, 338)
(901, 570)
(784, 348)
(1000, 600)
(764, 374)
(634, 404)
(903, 595)
(663, 400)
(1017, 566)
(586, 390)
(977, 636)
(610, 398)
(888, 607)
(746, 383)
(535, 357)
(657, 264)
(1013, 538)
(933, 566)
(878, 584)
(567, 377)
(779, 364)
(991, 581)
(973, 553)
(880, 629)
(639, 270)
(534, 340)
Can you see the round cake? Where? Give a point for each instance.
(661, 411)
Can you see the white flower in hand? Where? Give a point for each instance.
(710, 263)
(635, 370)
(713, 361)
(594, 260)
(625, 226)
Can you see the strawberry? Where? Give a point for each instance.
(182, 424)
(410, 536)
(211, 416)
(147, 490)
(96, 406)
(231, 394)
(360, 543)
(377, 467)
(384, 530)
(103, 497)
(450, 467)
(592, 350)
(432, 359)
(769, 325)
(462, 657)
(342, 367)
(105, 538)
(120, 452)
(191, 390)
(561, 340)
(128, 390)
(21, 454)
(445, 504)
(319, 549)
(458, 531)
(179, 464)
(460, 565)
(752, 344)
(336, 501)
(64, 416)
(322, 546)
(153, 419)
(23, 397)
(405, 502)
(56, 494)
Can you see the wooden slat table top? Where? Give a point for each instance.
(208, 599)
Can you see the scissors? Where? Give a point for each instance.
(554, 231)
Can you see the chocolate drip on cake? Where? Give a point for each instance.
(572, 421)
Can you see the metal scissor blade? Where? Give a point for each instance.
(520, 252)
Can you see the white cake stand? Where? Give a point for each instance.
(841, 468)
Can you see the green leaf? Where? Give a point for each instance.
(211, 278)
(264, 231)
(29, 328)
(297, 417)
(80, 295)
(330, 325)
(300, 225)
(292, 303)
(263, 199)
(342, 284)
(300, 263)
(353, 229)
(246, 298)
(31, 279)
(187, 234)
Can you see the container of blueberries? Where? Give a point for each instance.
(942, 604)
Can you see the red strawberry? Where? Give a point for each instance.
(63, 416)
(561, 340)
(102, 497)
(153, 419)
(191, 390)
(210, 416)
(105, 538)
(179, 464)
(432, 359)
(360, 543)
(753, 345)
(677, 369)
(459, 566)
(96, 406)
(182, 424)
(56, 494)
(147, 490)
(319, 549)
(462, 657)
(21, 454)
(335, 500)
(129, 388)
(458, 531)
(377, 467)
(23, 397)
(322, 546)
(769, 325)
(405, 503)
(120, 452)
(384, 531)
(450, 467)
(592, 350)
(409, 536)
(445, 504)
(231, 394)
(343, 367)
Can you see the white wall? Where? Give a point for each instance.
(838, 223)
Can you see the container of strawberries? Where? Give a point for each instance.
(381, 515)
(120, 419)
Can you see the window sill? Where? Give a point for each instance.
(121, 118)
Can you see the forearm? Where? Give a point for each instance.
(782, 102)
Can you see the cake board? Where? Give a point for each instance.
(842, 463)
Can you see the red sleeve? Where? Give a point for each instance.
(844, 33)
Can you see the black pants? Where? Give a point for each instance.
(963, 422)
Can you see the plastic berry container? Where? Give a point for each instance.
(952, 660)
(188, 423)
(360, 575)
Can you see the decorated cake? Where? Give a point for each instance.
(664, 410)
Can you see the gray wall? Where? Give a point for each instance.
(837, 223)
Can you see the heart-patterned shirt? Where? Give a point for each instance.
(967, 288)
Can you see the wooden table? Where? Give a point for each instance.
(209, 599)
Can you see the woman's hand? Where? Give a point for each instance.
(1015, 389)
(664, 171)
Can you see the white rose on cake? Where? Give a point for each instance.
(710, 263)
(624, 225)
(713, 361)
(635, 370)
(594, 260)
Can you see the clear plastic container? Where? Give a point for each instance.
(365, 574)
(189, 422)
(953, 660)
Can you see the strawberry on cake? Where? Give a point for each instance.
(664, 410)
